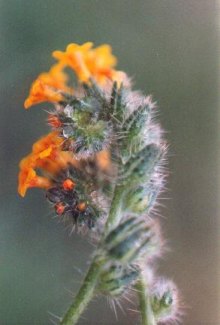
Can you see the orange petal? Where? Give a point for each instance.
(103, 159)
(88, 62)
(48, 87)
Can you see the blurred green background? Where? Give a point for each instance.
(170, 48)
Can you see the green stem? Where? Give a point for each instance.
(115, 210)
(87, 290)
(84, 295)
(144, 303)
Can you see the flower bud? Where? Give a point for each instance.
(140, 167)
(135, 123)
(60, 208)
(116, 279)
(133, 130)
(141, 198)
(122, 231)
(68, 184)
(117, 105)
(73, 201)
(164, 300)
(130, 241)
(83, 121)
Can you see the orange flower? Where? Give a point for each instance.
(50, 155)
(101, 62)
(48, 87)
(48, 142)
(47, 155)
(28, 178)
(87, 62)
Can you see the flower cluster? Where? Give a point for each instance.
(101, 167)
(85, 61)
(55, 155)
(47, 155)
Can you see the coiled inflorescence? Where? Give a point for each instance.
(102, 166)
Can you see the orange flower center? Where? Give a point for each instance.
(60, 207)
(68, 184)
(81, 206)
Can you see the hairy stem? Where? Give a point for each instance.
(87, 290)
(147, 315)
(84, 295)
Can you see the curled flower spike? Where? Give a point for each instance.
(102, 170)
(48, 87)
(88, 62)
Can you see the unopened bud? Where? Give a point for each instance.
(122, 231)
(140, 167)
(60, 208)
(141, 199)
(68, 184)
(134, 124)
(164, 300)
(131, 240)
(81, 206)
(54, 121)
(117, 106)
(116, 279)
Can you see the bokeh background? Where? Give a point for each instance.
(170, 48)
